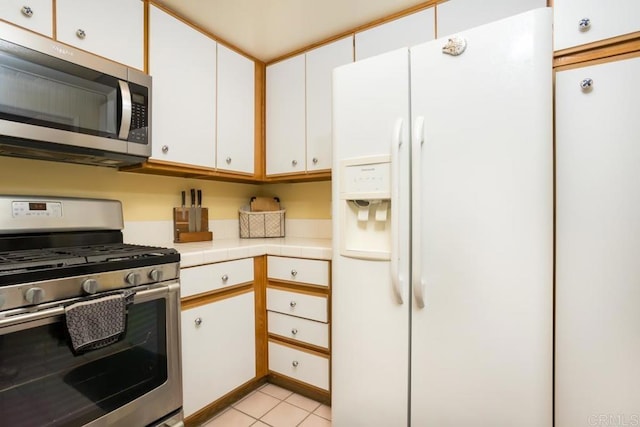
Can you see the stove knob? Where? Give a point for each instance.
(133, 279)
(34, 295)
(90, 286)
(155, 275)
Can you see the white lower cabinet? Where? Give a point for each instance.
(300, 365)
(299, 329)
(218, 349)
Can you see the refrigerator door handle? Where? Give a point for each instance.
(396, 279)
(416, 214)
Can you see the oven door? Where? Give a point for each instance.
(134, 382)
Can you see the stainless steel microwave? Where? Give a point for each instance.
(64, 104)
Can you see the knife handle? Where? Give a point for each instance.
(184, 198)
(199, 202)
(193, 197)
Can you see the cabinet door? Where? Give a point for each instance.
(597, 244)
(218, 350)
(407, 31)
(285, 112)
(603, 19)
(236, 111)
(319, 72)
(184, 95)
(113, 29)
(458, 15)
(35, 15)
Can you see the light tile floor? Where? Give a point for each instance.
(273, 406)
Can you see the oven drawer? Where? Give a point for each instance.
(302, 305)
(299, 329)
(310, 271)
(300, 365)
(210, 277)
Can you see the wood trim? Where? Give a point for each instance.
(324, 175)
(202, 30)
(260, 120)
(299, 288)
(595, 52)
(145, 35)
(164, 168)
(304, 389)
(392, 17)
(54, 16)
(216, 295)
(206, 413)
(299, 345)
(262, 352)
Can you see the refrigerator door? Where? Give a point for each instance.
(370, 326)
(483, 227)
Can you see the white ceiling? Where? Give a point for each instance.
(267, 29)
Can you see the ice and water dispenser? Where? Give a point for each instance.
(365, 198)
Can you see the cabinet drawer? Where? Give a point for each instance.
(300, 365)
(301, 305)
(206, 278)
(299, 329)
(315, 272)
(36, 15)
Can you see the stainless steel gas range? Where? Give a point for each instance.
(89, 325)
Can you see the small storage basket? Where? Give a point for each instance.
(261, 224)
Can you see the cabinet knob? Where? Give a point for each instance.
(584, 24)
(225, 277)
(586, 84)
(294, 331)
(315, 160)
(292, 304)
(27, 11)
(198, 321)
(294, 273)
(165, 149)
(81, 34)
(295, 363)
(294, 162)
(228, 160)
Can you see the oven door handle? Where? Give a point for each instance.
(59, 310)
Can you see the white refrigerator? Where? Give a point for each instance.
(442, 291)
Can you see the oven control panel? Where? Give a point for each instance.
(36, 209)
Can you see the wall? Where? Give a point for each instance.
(150, 197)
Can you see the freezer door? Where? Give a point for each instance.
(483, 227)
(370, 325)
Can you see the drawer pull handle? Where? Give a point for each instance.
(294, 273)
(225, 277)
(295, 363)
(294, 331)
(292, 304)
(198, 321)
(81, 34)
(165, 149)
(584, 24)
(27, 11)
(586, 84)
(294, 163)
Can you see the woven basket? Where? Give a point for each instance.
(255, 225)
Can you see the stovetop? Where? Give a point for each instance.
(31, 265)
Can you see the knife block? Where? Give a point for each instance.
(181, 233)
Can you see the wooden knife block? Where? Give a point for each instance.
(181, 233)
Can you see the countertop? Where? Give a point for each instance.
(198, 253)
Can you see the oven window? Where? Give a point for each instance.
(42, 383)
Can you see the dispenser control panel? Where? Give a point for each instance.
(369, 179)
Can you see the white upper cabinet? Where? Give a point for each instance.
(236, 111)
(182, 62)
(285, 116)
(298, 109)
(578, 22)
(407, 31)
(35, 15)
(113, 29)
(459, 15)
(319, 72)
